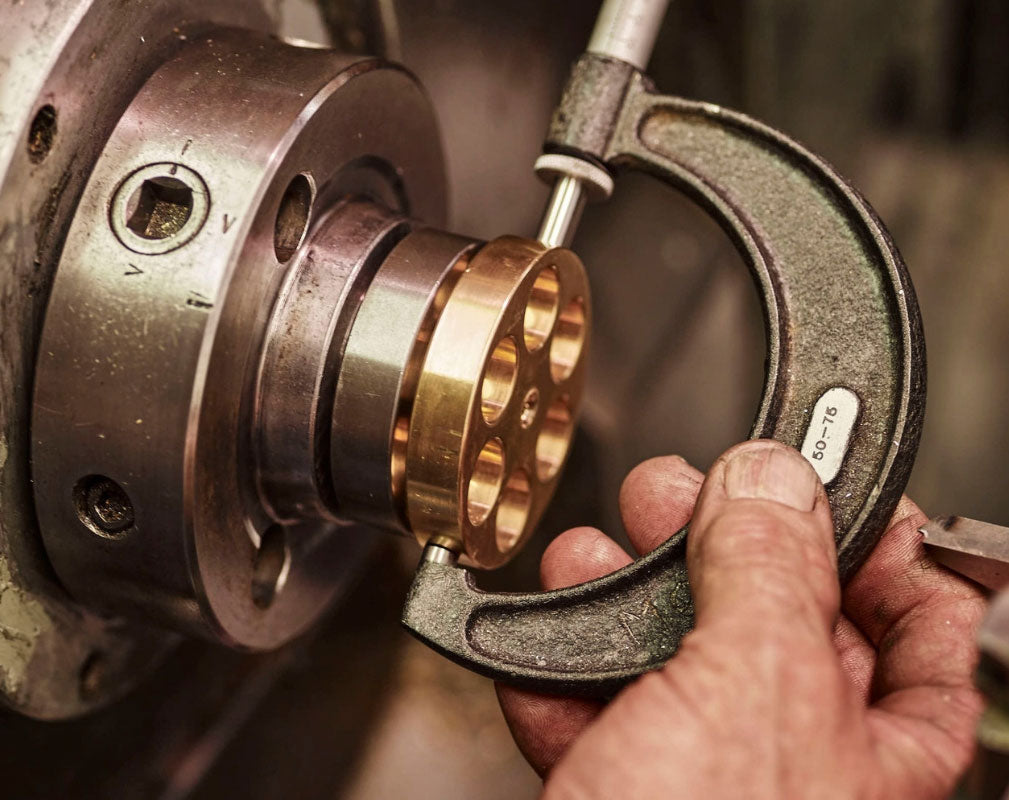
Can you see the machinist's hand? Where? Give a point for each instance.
(787, 688)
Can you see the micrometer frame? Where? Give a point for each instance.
(840, 313)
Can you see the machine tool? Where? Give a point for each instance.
(235, 331)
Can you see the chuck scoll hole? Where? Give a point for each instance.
(541, 309)
(292, 217)
(103, 506)
(159, 208)
(554, 440)
(485, 482)
(569, 340)
(42, 134)
(513, 511)
(499, 380)
(269, 572)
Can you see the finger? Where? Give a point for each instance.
(760, 554)
(579, 555)
(921, 617)
(857, 655)
(544, 726)
(657, 499)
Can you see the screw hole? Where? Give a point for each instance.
(103, 506)
(530, 405)
(292, 217)
(159, 208)
(273, 560)
(42, 134)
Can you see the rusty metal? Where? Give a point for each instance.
(840, 312)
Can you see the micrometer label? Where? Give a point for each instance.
(829, 431)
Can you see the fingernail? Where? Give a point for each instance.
(765, 472)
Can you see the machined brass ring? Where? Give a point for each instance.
(497, 397)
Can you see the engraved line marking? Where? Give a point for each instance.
(228, 222)
(174, 169)
(185, 147)
(133, 270)
(197, 300)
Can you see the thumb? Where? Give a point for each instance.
(761, 553)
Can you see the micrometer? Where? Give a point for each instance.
(844, 376)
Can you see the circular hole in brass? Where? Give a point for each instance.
(499, 380)
(103, 506)
(530, 405)
(292, 217)
(541, 309)
(42, 134)
(159, 207)
(485, 482)
(569, 339)
(554, 439)
(269, 572)
(513, 511)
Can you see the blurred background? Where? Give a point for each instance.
(909, 99)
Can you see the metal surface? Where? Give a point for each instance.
(840, 312)
(69, 69)
(627, 30)
(976, 550)
(199, 451)
(495, 405)
(150, 370)
(379, 372)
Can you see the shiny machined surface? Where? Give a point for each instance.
(70, 68)
(254, 343)
(151, 361)
(495, 405)
(381, 366)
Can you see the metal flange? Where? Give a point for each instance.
(70, 68)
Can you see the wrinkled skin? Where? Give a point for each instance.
(788, 687)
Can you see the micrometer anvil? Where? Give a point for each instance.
(844, 379)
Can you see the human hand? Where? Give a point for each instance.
(787, 687)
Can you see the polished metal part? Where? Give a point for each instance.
(380, 368)
(627, 30)
(840, 311)
(70, 68)
(255, 342)
(495, 405)
(306, 343)
(976, 550)
(564, 210)
(151, 368)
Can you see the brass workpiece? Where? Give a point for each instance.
(494, 408)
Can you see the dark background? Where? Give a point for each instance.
(909, 98)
